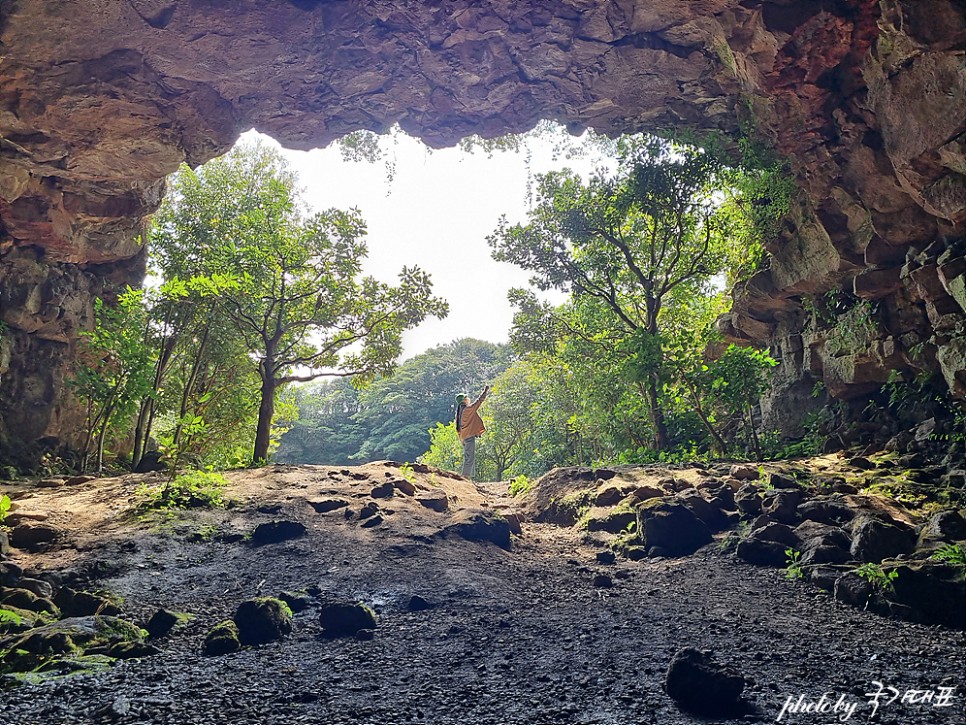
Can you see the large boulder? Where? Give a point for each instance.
(701, 686)
(874, 539)
(934, 593)
(712, 514)
(748, 500)
(262, 620)
(484, 527)
(82, 604)
(343, 619)
(944, 526)
(782, 505)
(767, 546)
(670, 528)
(826, 511)
(32, 536)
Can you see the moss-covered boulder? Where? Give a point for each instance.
(83, 604)
(26, 599)
(342, 619)
(222, 639)
(39, 648)
(262, 620)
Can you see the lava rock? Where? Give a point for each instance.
(296, 601)
(26, 599)
(874, 540)
(606, 557)
(603, 581)
(748, 500)
(417, 603)
(946, 526)
(745, 472)
(10, 573)
(712, 516)
(35, 537)
(825, 511)
(700, 686)
(372, 522)
(780, 480)
(782, 505)
(222, 639)
(612, 521)
(42, 589)
(434, 500)
(340, 619)
(671, 529)
(369, 510)
(5, 549)
(262, 620)
(853, 589)
(934, 593)
(324, 505)
(150, 461)
(84, 604)
(383, 490)
(161, 623)
(274, 532)
(762, 553)
(482, 526)
(407, 488)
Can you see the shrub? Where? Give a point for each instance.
(195, 489)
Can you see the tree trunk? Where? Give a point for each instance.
(266, 411)
(661, 438)
(754, 434)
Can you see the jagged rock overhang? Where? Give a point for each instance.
(100, 100)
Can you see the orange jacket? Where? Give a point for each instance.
(471, 424)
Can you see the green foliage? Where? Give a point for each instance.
(521, 485)
(7, 618)
(794, 570)
(407, 472)
(4, 507)
(194, 489)
(880, 580)
(297, 302)
(445, 449)
(111, 371)
(954, 554)
(390, 419)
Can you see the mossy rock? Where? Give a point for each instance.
(262, 620)
(26, 599)
(222, 639)
(614, 520)
(42, 645)
(14, 620)
(340, 619)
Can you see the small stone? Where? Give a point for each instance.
(418, 604)
(372, 522)
(606, 557)
(275, 532)
(370, 509)
(79, 480)
(296, 601)
(42, 589)
(780, 480)
(603, 581)
(365, 635)
(862, 463)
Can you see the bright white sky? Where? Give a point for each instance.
(435, 214)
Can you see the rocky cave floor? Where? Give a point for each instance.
(529, 634)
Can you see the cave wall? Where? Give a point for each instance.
(100, 99)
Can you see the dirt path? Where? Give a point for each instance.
(519, 636)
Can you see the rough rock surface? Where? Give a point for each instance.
(100, 100)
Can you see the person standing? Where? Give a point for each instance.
(469, 427)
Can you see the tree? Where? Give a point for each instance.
(630, 240)
(112, 369)
(389, 418)
(299, 302)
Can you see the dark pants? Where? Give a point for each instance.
(469, 456)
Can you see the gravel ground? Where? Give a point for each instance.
(519, 636)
